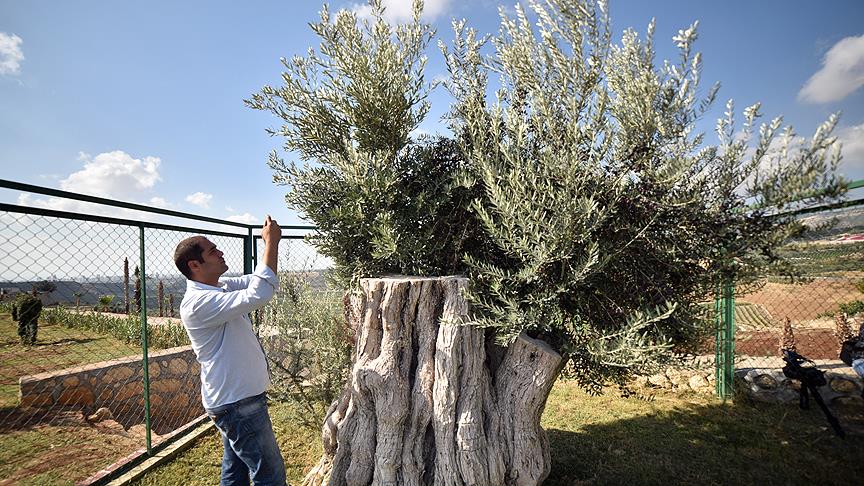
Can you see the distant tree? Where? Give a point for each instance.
(126, 285)
(137, 296)
(160, 296)
(45, 287)
(78, 296)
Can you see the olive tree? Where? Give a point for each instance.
(584, 218)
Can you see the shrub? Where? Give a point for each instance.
(105, 301)
(26, 311)
(126, 329)
(310, 353)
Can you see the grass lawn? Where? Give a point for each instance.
(64, 452)
(68, 449)
(57, 347)
(673, 439)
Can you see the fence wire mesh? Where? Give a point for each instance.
(814, 312)
(72, 393)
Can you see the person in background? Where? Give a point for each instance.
(234, 372)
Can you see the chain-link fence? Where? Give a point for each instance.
(812, 313)
(108, 373)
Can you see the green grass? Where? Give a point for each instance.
(200, 465)
(57, 347)
(690, 439)
(665, 439)
(60, 454)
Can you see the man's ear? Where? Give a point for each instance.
(194, 266)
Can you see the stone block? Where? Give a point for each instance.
(36, 400)
(842, 385)
(165, 387)
(765, 381)
(129, 390)
(71, 381)
(118, 374)
(178, 367)
(698, 382)
(659, 380)
(78, 396)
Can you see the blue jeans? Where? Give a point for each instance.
(249, 442)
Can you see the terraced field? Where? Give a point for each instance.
(750, 316)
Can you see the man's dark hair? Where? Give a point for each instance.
(188, 250)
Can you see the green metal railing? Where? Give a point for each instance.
(80, 254)
(829, 286)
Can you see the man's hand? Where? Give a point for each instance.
(271, 233)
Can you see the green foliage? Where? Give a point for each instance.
(311, 353)
(105, 301)
(851, 308)
(45, 287)
(26, 310)
(383, 202)
(860, 286)
(126, 329)
(578, 199)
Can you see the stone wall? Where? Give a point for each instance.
(764, 384)
(770, 385)
(118, 385)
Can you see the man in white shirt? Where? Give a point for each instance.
(234, 374)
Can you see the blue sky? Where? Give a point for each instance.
(143, 101)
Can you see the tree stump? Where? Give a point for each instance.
(429, 400)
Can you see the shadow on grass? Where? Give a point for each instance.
(715, 443)
(66, 341)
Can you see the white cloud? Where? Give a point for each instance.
(200, 199)
(396, 11)
(852, 138)
(114, 174)
(244, 218)
(160, 202)
(842, 73)
(10, 54)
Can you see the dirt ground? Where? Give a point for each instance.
(812, 343)
(806, 301)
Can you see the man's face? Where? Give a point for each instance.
(214, 263)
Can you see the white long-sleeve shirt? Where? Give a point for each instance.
(233, 366)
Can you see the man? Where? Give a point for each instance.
(234, 374)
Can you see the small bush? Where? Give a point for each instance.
(852, 308)
(26, 311)
(310, 353)
(126, 329)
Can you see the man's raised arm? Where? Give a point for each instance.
(271, 233)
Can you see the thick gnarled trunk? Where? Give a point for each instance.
(429, 401)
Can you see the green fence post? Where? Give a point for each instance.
(146, 363)
(724, 351)
(248, 244)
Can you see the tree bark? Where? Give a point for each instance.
(430, 400)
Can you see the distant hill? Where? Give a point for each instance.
(93, 288)
(848, 221)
